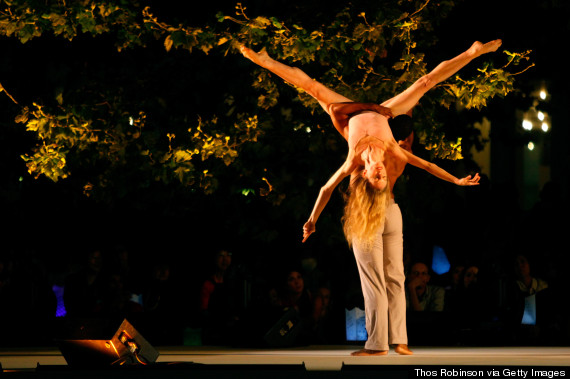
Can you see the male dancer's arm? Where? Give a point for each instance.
(340, 112)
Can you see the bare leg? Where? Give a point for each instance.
(406, 100)
(296, 77)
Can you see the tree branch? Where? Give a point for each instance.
(7, 94)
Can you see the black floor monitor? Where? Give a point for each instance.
(93, 349)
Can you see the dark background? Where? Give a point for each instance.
(52, 226)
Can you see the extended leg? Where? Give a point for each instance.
(295, 76)
(406, 100)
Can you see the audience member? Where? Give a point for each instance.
(162, 304)
(313, 277)
(329, 318)
(28, 304)
(100, 288)
(470, 277)
(527, 284)
(422, 296)
(468, 309)
(530, 312)
(122, 295)
(217, 302)
(453, 286)
(425, 304)
(83, 290)
(291, 293)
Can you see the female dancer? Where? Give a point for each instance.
(372, 220)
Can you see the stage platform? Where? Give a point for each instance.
(295, 361)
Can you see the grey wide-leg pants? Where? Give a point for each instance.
(381, 268)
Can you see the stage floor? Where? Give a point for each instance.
(321, 358)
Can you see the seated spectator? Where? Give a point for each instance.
(468, 308)
(527, 284)
(454, 285)
(217, 301)
(291, 293)
(162, 304)
(530, 312)
(83, 294)
(329, 318)
(425, 304)
(420, 295)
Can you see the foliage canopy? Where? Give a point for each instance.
(127, 121)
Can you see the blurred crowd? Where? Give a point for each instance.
(228, 302)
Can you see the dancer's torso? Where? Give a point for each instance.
(367, 132)
(368, 123)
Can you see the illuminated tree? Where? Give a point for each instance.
(155, 105)
(368, 56)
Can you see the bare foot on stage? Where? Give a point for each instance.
(403, 350)
(369, 353)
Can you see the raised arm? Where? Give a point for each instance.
(325, 194)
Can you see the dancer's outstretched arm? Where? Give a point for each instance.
(403, 102)
(401, 154)
(325, 194)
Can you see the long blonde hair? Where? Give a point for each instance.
(364, 210)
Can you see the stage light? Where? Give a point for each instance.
(530, 146)
(60, 306)
(440, 264)
(543, 94)
(527, 125)
(131, 121)
(540, 116)
(90, 346)
(545, 127)
(355, 324)
(529, 314)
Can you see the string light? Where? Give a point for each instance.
(527, 125)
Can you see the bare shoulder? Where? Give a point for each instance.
(392, 146)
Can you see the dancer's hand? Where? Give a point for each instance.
(469, 181)
(308, 229)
